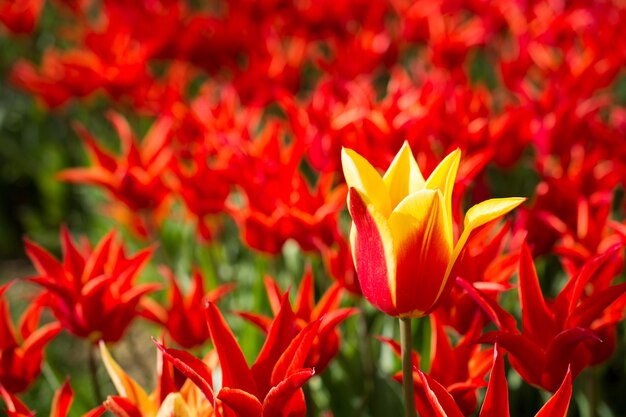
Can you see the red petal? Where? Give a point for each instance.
(592, 307)
(280, 335)
(441, 402)
(121, 407)
(242, 403)
(7, 331)
(537, 320)
(235, 371)
(260, 321)
(559, 403)
(45, 263)
(561, 353)
(62, 401)
(306, 297)
(39, 338)
(294, 356)
(500, 317)
(73, 260)
(192, 367)
(369, 255)
(274, 294)
(527, 359)
(496, 402)
(13, 404)
(282, 400)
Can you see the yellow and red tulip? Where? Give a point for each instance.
(402, 235)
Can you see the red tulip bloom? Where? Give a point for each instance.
(136, 178)
(21, 350)
(433, 400)
(272, 386)
(279, 203)
(20, 16)
(60, 407)
(92, 291)
(184, 318)
(573, 332)
(326, 311)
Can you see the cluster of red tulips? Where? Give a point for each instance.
(472, 143)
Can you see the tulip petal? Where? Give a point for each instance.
(422, 251)
(558, 404)
(372, 246)
(62, 401)
(479, 215)
(242, 403)
(538, 321)
(174, 405)
(235, 370)
(403, 177)
(441, 402)
(190, 366)
(286, 398)
(496, 402)
(125, 385)
(443, 178)
(360, 174)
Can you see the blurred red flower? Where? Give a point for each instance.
(92, 292)
(21, 352)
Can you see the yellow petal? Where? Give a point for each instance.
(174, 406)
(422, 251)
(403, 177)
(479, 215)
(360, 174)
(443, 178)
(125, 385)
(489, 210)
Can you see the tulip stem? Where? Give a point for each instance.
(407, 367)
(93, 372)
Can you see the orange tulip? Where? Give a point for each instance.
(402, 235)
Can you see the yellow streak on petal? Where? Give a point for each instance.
(174, 406)
(443, 178)
(421, 213)
(479, 215)
(125, 385)
(403, 177)
(360, 174)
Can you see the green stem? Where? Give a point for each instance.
(407, 367)
(93, 371)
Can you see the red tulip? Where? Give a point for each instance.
(92, 291)
(434, 401)
(271, 387)
(184, 318)
(326, 311)
(136, 178)
(21, 353)
(566, 333)
(20, 16)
